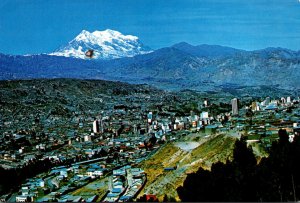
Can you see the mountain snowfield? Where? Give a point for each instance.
(107, 44)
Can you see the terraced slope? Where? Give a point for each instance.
(188, 156)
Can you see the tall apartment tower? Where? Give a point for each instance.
(235, 108)
(101, 127)
(205, 103)
(150, 117)
(96, 126)
(267, 101)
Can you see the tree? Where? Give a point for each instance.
(243, 156)
(169, 199)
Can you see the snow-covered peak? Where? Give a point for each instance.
(83, 36)
(107, 44)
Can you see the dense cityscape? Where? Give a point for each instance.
(99, 153)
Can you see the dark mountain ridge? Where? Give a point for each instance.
(182, 66)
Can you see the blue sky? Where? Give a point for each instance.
(41, 26)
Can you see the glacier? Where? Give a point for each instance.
(107, 44)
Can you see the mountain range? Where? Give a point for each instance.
(181, 66)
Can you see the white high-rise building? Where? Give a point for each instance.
(288, 100)
(87, 138)
(204, 115)
(205, 103)
(255, 106)
(235, 108)
(96, 126)
(150, 117)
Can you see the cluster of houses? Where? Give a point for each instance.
(125, 184)
(267, 117)
(124, 134)
(56, 184)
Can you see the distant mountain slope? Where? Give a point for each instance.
(107, 44)
(269, 67)
(209, 51)
(176, 67)
(43, 66)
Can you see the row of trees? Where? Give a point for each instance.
(276, 178)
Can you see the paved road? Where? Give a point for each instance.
(234, 134)
(49, 181)
(12, 198)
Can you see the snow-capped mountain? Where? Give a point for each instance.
(182, 66)
(107, 44)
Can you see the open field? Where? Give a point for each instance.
(97, 187)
